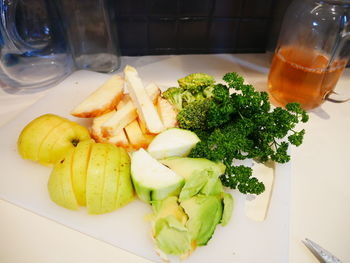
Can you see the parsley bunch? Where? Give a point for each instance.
(237, 122)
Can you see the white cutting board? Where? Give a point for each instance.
(24, 183)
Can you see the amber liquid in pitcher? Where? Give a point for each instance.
(302, 75)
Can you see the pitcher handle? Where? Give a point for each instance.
(13, 42)
(343, 42)
(336, 98)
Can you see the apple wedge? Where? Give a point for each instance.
(48, 145)
(60, 183)
(153, 180)
(126, 113)
(167, 113)
(173, 142)
(152, 91)
(34, 133)
(126, 99)
(95, 178)
(142, 102)
(136, 138)
(96, 132)
(103, 100)
(119, 120)
(119, 139)
(79, 169)
(125, 189)
(111, 179)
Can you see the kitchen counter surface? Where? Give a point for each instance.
(320, 193)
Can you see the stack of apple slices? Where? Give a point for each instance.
(85, 173)
(95, 175)
(129, 120)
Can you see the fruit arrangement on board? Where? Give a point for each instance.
(163, 147)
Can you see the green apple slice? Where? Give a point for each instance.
(79, 169)
(172, 142)
(152, 180)
(60, 183)
(125, 189)
(95, 178)
(111, 176)
(34, 133)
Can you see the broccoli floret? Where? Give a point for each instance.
(187, 98)
(196, 82)
(208, 91)
(174, 96)
(194, 115)
(218, 92)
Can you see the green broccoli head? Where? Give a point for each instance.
(194, 115)
(174, 96)
(196, 82)
(218, 92)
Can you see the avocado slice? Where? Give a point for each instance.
(169, 206)
(228, 203)
(169, 231)
(204, 182)
(204, 213)
(185, 166)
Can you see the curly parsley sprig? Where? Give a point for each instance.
(237, 122)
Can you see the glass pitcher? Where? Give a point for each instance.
(311, 54)
(33, 47)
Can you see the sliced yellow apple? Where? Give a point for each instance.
(103, 100)
(125, 189)
(142, 102)
(95, 178)
(79, 169)
(61, 139)
(61, 132)
(111, 178)
(34, 133)
(60, 183)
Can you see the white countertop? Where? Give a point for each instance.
(320, 201)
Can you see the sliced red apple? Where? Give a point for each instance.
(142, 102)
(103, 100)
(167, 113)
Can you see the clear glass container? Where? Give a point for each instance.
(311, 54)
(92, 35)
(33, 46)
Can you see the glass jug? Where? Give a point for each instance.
(33, 47)
(312, 51)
